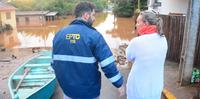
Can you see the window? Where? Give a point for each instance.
(40, 17)
(0, 20)
(8, 15)
(17, 19)
(27, 20)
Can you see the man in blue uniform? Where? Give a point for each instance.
(78, 51)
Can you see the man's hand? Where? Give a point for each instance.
(121, 90)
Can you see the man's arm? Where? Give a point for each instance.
(107, 62)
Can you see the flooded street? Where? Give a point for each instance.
(170, 62)
(115, 31)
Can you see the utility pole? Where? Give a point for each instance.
(189, 42)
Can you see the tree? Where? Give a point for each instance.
(142, 4)
(100, 4)
(23, 4)
(123, 8)
(63, 7)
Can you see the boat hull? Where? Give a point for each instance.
(37, 83)
(44, 93)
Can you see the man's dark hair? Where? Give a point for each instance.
(83, 7)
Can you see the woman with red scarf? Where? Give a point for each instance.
(148, 52)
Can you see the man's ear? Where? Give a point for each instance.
(146, 23)
(86, 16)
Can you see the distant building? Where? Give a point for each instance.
(34, 18)
(31, 18)
(51, 16)
(7, 14)
(166, 7)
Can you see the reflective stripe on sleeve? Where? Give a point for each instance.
(115, 78)
(107, 61)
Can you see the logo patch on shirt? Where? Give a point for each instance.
(73, 37)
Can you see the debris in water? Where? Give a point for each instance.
(14, 57)
(121, 56)
(5, 77)
(35, 49)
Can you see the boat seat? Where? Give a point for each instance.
(37, 65)
(27, 84)
(39, 72)
(35, 80)
(18, 77)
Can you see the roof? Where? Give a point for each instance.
(51, 13)
(18, 13)
(4, 7)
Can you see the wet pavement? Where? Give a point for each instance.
(108, 91)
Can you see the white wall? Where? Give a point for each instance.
(173, 6)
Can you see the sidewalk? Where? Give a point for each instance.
(108, 91)
(171, 84)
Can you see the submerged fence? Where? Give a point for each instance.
(173, 27)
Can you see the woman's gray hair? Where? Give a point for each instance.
(152, 18)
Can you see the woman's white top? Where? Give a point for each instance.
(145, 80)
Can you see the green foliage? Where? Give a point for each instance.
(127, 7)
(23, 5)
(100, 4)
(63, 7)
(6, 27)
(123, 8)
(143, 5)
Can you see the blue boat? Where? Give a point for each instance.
(34, 79)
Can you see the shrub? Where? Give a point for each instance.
(5, 28)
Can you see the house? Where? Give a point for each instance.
(166, 7)
(34, 18)
(31, 18)
(7, 14)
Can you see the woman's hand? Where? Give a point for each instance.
(121, 90)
